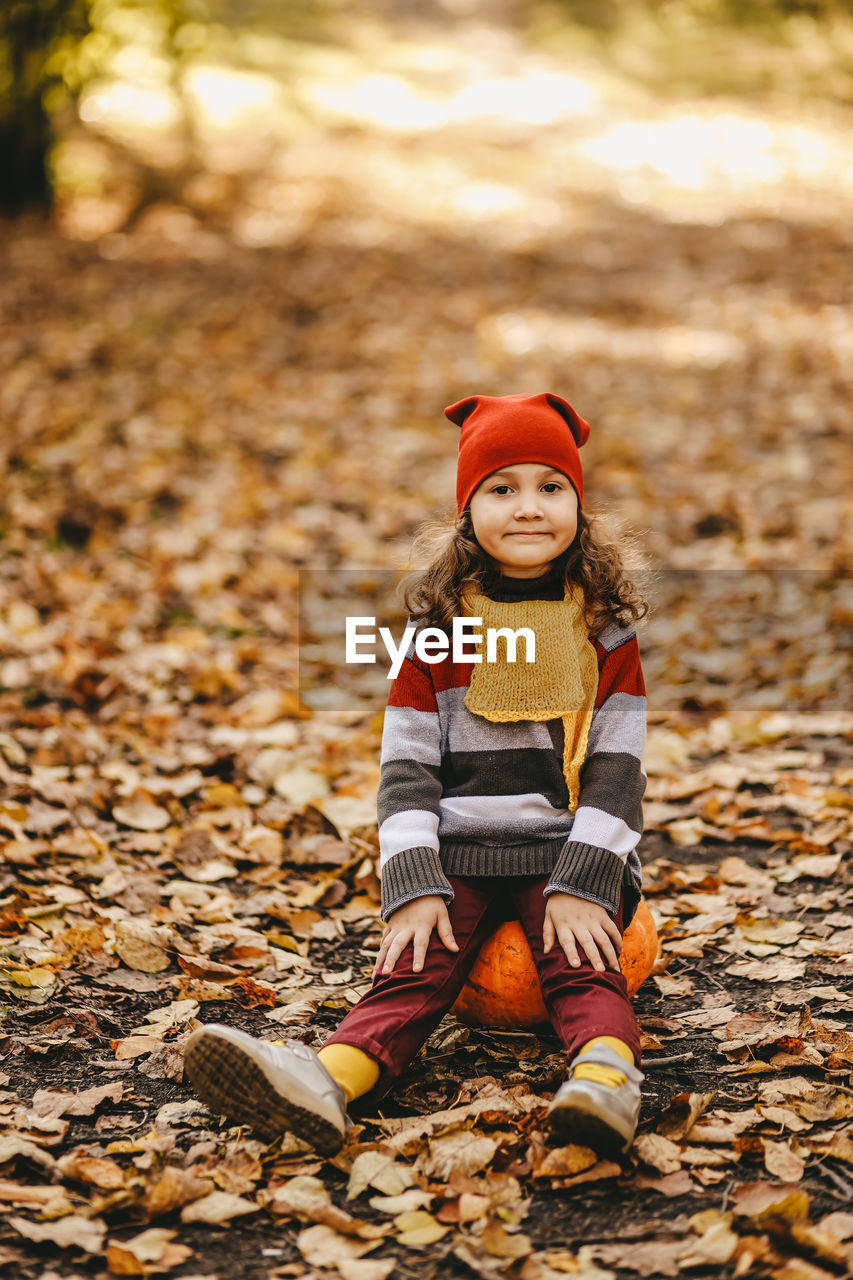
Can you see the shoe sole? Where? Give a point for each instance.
(228, 1081)
(587, 1129)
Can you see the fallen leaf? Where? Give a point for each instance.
(142, 816)
(251, 995)
(781, 1162)
(12, 1144)
(669, 1184)
(217, 1208)
(558, 1162)
(35, 977)
(781, 970)
(467, 1207)
(71, 1232)
(800, 1269)
(581, 1265)
(714, 1248)
(599, 1172)
(321, 1246)
(647, 1257)
(819, 865)
(134, 1047)
(681, 1112)
(166, 1061)
(413, 1199)
(300, 786)
(307, 1199)
(140, 946)
(674, 987)
(840, 1146)
(759, 1200)
(378, 1169)
(499, 1242)
(18, 1194)
(347, 813)
(366, 1268)
(417, 1228)
(659, 1152)
(96, 1171)
(151, 1252)
(463, 1150)
(56, 1102)
(838, 1224)
(172, 1189)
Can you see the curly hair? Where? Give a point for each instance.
(457, 564)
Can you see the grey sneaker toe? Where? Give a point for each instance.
(274, 1089)
(594, 1114)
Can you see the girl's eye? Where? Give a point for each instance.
(550, 484)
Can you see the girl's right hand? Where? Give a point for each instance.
(415, 921)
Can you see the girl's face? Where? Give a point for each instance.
(524, 516)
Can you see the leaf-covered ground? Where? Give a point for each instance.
(248, 380)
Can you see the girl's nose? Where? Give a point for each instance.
(528, 504)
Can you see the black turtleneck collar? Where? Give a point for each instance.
(548, 586)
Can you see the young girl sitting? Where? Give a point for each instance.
(507, 789)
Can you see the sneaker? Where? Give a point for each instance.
(274, 1089)
(598, 1115)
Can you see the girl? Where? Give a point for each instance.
(506, 789)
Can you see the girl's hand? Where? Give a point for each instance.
(416, 920)
(573, 920)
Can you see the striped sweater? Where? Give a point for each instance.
(460, 795)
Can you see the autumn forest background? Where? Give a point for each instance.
(248, 252)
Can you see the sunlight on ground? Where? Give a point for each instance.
(227, 99)
(695, 152)
(218, 97)
(479, 131)
(519, 333)
(120, 105)
(390, 103)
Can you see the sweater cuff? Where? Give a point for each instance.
(589, 872)
(414, 873)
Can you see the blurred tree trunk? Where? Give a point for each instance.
(30, 31)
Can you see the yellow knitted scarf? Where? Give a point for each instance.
(562, 682)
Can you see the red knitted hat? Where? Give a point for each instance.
(500, 430)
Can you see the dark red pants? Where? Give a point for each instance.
(402, 1008)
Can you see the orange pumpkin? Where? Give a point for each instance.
(503, 989)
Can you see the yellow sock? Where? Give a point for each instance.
(355, 1071)
(605, 1075)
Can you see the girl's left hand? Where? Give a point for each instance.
(575, 920)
